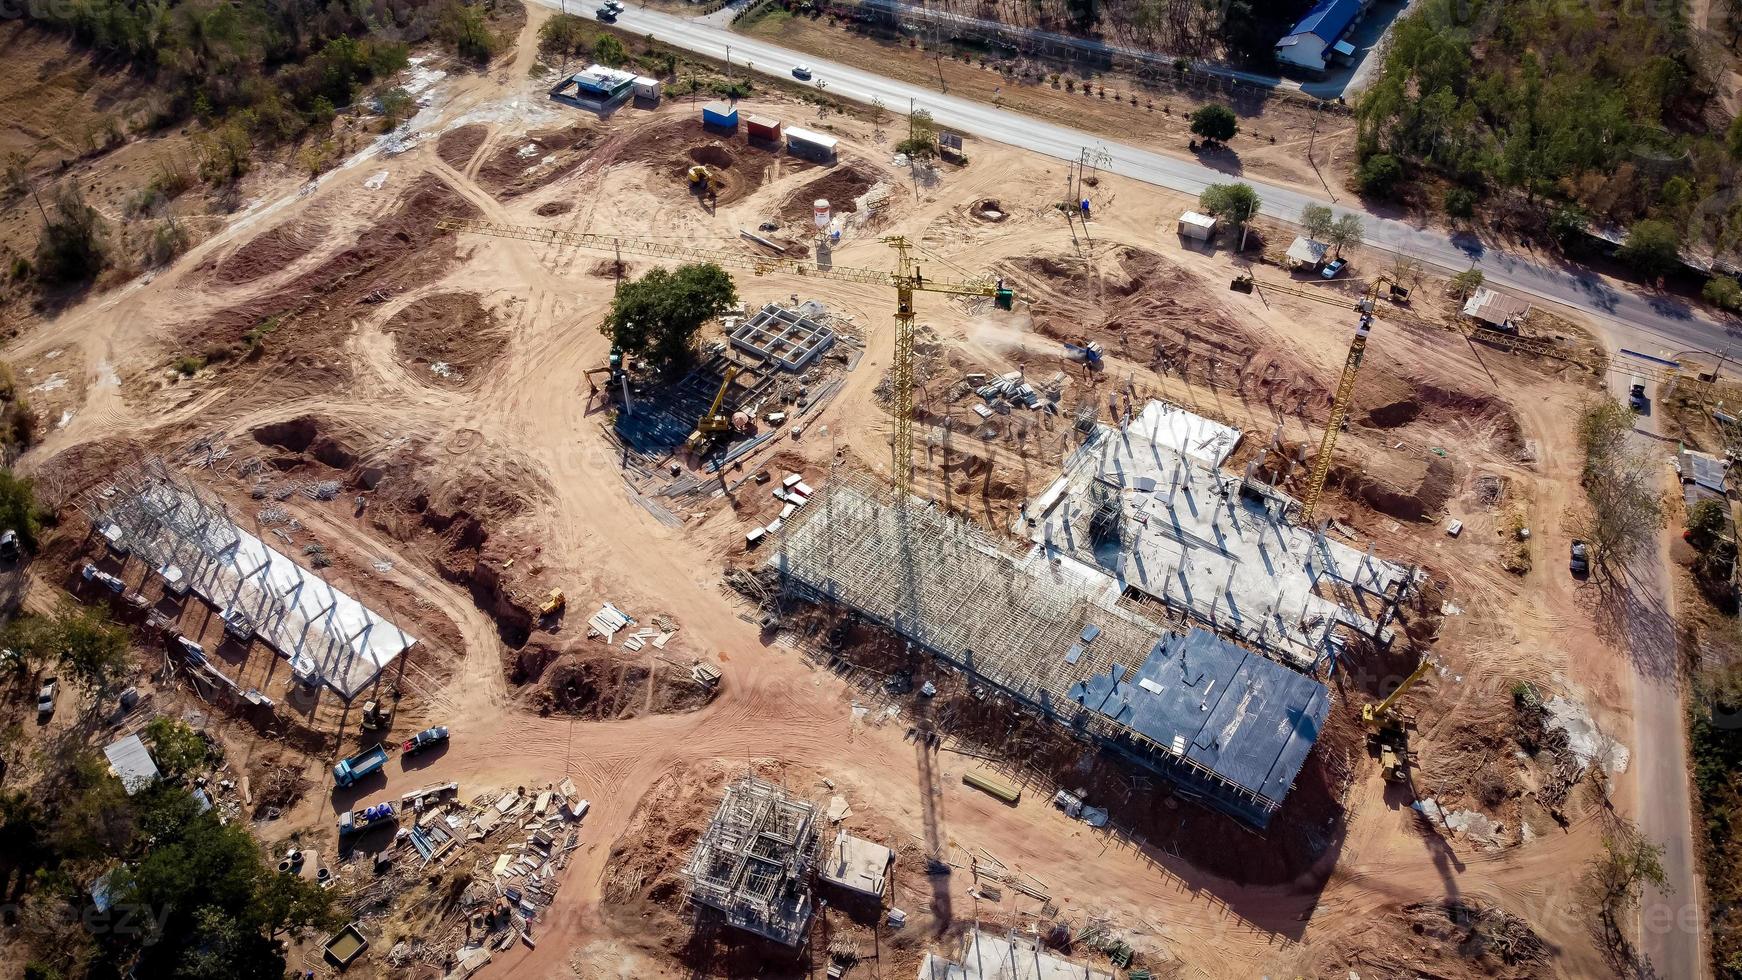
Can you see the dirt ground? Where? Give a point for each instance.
(320, 316)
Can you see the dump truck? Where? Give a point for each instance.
(368, 818)
(359, 766)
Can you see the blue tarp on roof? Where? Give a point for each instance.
(1326, 21)
(1249, 720)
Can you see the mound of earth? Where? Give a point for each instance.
(525, 165)
(269, 252)
(456, 147)
(297, 332)
(551, 209)
(841, 187)
(448, 339)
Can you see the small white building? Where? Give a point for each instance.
(131, 762)
(857, 865)
(1497, 310)
(1306, 254)
(647, 88)
(1199, 227)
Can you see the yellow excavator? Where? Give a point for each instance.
(1390, 733)
(705, 181)
(711, 425)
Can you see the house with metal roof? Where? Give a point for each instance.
(1319, 35)
(131, 761)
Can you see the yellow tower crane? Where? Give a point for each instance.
(1340, 404)
(906, 279)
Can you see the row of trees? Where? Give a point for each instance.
(1621, 486)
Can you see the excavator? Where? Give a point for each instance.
(714, 423)
(1389, 732)
(705, 181)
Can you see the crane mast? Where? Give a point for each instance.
(1339, 413)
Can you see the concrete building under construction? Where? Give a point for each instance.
(1060, 628)
(753, 863)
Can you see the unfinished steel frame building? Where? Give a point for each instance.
(753, 863)
(187, 538)
(1048, 632)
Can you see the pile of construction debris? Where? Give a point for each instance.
(526, 838)
(609, 621)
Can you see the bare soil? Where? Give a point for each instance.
(454, 330)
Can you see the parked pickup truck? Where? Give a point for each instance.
(363, 764)
(358, 821)
(429, 738)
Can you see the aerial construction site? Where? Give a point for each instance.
(1005, 583)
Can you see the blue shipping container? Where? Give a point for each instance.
(720, 114)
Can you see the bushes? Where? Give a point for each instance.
(71, 247)
(1379, 174)
(1214, 123)
(1723, 292)
(1652, 247)
(1460, 202)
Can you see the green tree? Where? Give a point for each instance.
(1653, 247)
(922, 136)
(462, 25)
(609, 51)
(1568, 223)
(226, 152)
(1379, 175)
(86, 645)
(1316, 220)
(1460, 202)
(1625, 502)
(1467, 282)
(1723, 292)
(217, 891)
(396, 105)
(1733, 135)
(70, 249)
(1345, 231)
(1238, 203)
(1615, 880)
(1706, 522)
(18, 510)
(564, 35)
(178, 748)
(1215, 123)
(657, 316)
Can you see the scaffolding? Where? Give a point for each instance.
(1040, 628)
(186, 537)
(753, 863)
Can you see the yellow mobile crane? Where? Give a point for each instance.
(906, 279)
(1390, 734)
(712, 423)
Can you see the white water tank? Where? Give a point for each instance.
(820, 210)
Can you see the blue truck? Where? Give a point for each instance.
(365, 763)
(358, 821)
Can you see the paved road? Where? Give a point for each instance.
(1670, 923)
(1638, 321)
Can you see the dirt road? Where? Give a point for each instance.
(1671, 924)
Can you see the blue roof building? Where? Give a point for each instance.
(1233, 727)
(1315, 39)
